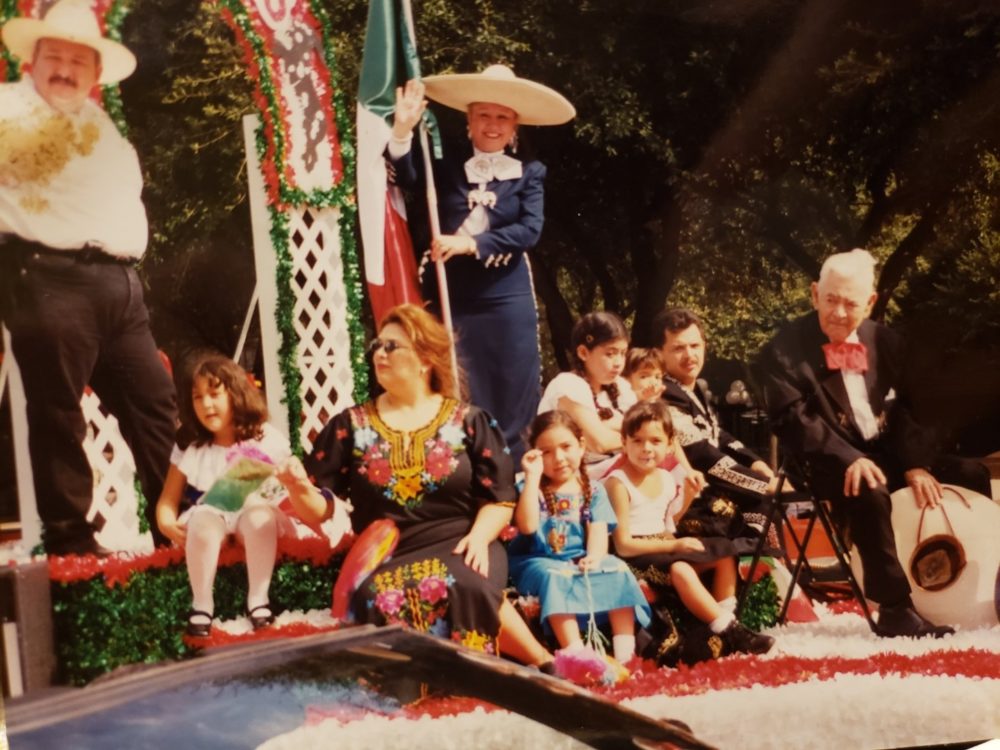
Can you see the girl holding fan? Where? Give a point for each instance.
(232, 470)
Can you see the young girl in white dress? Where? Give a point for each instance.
(223, 421)
(594, 394)
(648, 501)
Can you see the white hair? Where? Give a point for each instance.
(857, 264)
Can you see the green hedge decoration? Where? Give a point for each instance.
(100, 628)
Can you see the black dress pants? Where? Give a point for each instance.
(869, 518)
(79, 319)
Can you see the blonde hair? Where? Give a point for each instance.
(431, 342)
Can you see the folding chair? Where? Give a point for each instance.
(777, 516)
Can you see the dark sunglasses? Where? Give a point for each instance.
(390, 346)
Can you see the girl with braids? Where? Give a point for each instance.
(562, 555)
(594, 394)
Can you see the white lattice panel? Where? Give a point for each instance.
(320, 316)
(115, 499)
(320, 309)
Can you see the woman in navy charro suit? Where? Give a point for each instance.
(491, 209)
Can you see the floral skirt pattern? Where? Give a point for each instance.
(432, 590)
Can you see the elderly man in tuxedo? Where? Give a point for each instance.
(837, 396)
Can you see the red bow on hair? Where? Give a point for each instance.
(846, 356)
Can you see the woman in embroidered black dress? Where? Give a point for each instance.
(440, 470)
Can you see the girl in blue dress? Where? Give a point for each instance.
(562, 553)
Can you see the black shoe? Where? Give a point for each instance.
(198, 629)
(261, 620)
(740, 639)
(903, 620)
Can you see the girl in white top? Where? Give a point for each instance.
(223, 422)
(648, 501)
(595, 394)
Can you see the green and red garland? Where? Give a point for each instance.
(272, 143)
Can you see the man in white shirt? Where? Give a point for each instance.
(836, 388)
(72, 225)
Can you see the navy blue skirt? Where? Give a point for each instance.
(498, 349)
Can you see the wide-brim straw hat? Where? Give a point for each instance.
(534, 103)
(71, 21)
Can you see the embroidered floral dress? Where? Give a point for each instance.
(431, 482)
(543, 564)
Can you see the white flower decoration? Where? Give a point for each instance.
(452, 434)
(365, 437)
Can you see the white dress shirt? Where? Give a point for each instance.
(857, 394)
(94, 198)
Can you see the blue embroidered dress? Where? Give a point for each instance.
(431, 483)
(543, 564)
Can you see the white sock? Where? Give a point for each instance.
(728, 604)
(259, 531)
(205, 534)
(623, 647)
(721, 622)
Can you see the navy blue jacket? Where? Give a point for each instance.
(515, 226)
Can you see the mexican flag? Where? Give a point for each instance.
(389, 60)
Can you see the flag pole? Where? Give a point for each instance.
(432, 211)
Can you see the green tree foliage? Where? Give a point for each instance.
(720, 151)
(184, 106)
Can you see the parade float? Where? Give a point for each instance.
(309, 680)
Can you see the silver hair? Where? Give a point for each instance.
(856, 264)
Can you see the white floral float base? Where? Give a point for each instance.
(829, 684)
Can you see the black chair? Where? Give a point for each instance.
(777, 517)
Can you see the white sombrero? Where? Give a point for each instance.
(971, 600)
(534, 103)
(72, 21)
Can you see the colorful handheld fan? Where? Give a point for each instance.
(373, 546)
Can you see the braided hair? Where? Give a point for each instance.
(543, 423)
(593, 330)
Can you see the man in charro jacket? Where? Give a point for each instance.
(837, 396)
(737, 478)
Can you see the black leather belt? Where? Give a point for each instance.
(86, 254)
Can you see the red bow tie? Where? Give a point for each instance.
(846, 356)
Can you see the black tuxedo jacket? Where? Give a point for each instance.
(810, 411)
